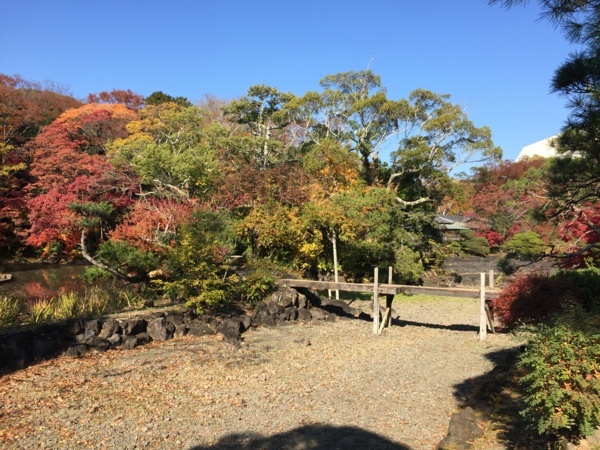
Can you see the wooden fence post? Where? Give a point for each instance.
(376, 301)
(491, 278)
(482, 313)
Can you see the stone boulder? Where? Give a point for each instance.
(160, 329)
(110, 326)
(463, 430)
(199, 328)
(133, 326)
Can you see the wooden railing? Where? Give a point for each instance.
(390, 290)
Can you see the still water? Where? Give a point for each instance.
(33, 281)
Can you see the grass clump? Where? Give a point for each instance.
(10, 308)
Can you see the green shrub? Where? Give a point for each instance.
(198, 263)
(94, 274)
(527, 245)
(560, 371)
(256, 287)
(408, 267)
(10, 307)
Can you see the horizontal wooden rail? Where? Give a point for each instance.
(385, 288)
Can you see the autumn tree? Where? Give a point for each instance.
(69, 164)
(25, 107)
(167, 147)
(128, 98)
(510, 197)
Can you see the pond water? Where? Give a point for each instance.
(34, 281)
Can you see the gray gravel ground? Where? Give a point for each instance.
(303, 386)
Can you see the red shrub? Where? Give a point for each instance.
(531, 298)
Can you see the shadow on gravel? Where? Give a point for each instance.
(456, 327)
(496, 396)
(310, 437)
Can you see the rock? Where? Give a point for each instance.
(198, 328)
(230, 328)
(5, 355)
(114, 340)
(149, 303)
(143, 338)
(133, 326)
(74, 327)
(75, 351)
(290, 313)
(365, 316)
(109, 327)
(129, 342)
(462, 430)
(269, 321)
(339, 308)
(302, 301)
(286, 297)
(160, 330)
(175, 318)
(245, 321)
(91, 328)
(180, 330)
(318, 314)
(43, 348)
(274, 307)
(97, 343)
(304, 315)
(260, 314)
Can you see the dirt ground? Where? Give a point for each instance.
(303, 386)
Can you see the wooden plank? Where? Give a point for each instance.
(386, 316)
(375, 302)
(490, 320)
(350, 287)
(482, 314)
(389, 299)
(385, 288)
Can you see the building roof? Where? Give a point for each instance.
(450, 222)
(541, 148)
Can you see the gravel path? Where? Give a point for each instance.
(317, 385)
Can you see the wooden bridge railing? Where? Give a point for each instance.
(390, 290)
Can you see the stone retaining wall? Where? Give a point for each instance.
(77, 337)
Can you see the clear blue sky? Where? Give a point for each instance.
(496, 63)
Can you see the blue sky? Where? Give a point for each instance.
(495, 63)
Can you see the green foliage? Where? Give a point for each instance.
(408, 267)
(257, 286)
(527, 244)
(507, 265)
(94, 274)
(10, 307)
(198, 262)
(474, 245)
(159, 97)
(126, 258)
(101, 210)
(561, 373)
